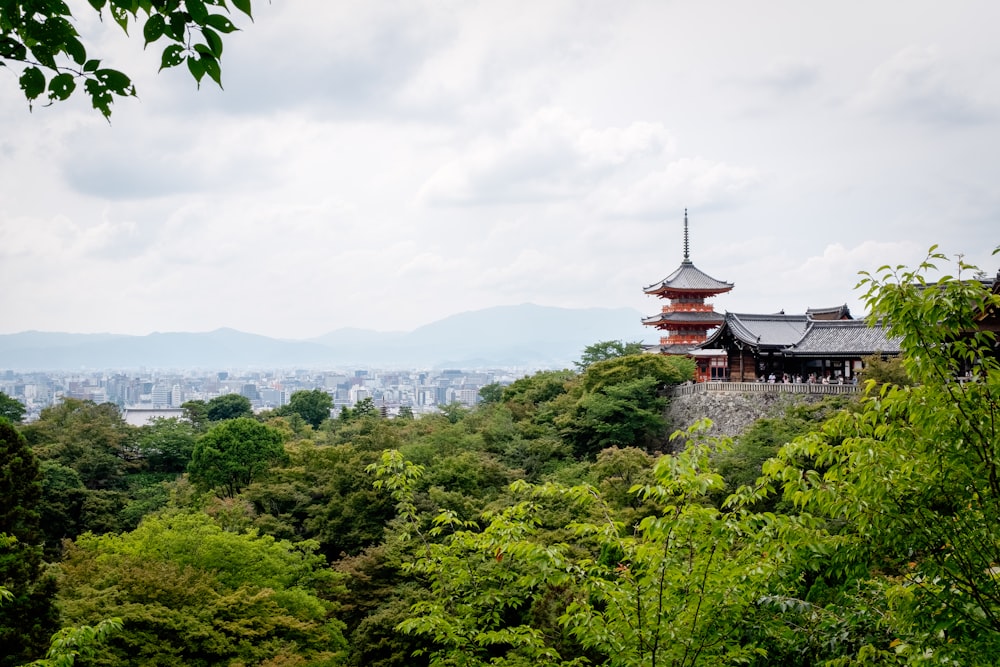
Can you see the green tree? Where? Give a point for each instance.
(607, 349)
(673, 588)
(618, 403)
(192, 593)
(491, 393)
(233, 453)
(909, 484)
(228, 406)
(39, 38)
(322, 494)
(11, 408)
(666, 370)
(166, 445)
(313, 406)
(454, 411)
(364, 410)
(885, 371)
(196, 412)
(29, 617)
(91, 439)
(629, 414)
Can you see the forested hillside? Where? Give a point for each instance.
(558, 523)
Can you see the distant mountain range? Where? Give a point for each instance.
(504, 336)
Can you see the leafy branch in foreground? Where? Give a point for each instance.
(672, 588)
(79, 642)
(40, 39)
(909, 484)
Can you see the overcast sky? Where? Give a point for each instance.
(385, 164)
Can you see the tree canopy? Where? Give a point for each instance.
(11, 408)
(234, 453)
(607, 349)
(312, 405)
(27, 619)
(39, 38)
(227, 406)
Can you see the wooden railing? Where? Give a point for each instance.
(764, 388)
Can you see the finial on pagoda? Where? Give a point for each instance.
(687, 257)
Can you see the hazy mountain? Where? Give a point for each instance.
(525, 335)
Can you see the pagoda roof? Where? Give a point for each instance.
(674, 348)
(773, 331)
(688, 278)
(849, 338)
(709, 318)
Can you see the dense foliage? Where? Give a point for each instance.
(554, 524)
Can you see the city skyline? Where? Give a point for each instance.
(384, 166)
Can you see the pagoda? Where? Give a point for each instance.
(686, 319)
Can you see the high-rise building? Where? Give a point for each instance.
(176, 396)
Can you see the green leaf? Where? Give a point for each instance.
(197, 68)
(115, 81)
(154, 28)
(76, 50)
(32, 82)
(61, 86)
(12, 49)
(100, 98)
(243, 6)
(197, 10)
(178, 26)
(173, 55)
(221, 23)
(91, 65)
(120, 16)
(212, 69)
(213, 40)
(98, 4)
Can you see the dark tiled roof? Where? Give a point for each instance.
(835, 313)
(680, 348)
(688, 277)
(843, 337)
(709, 318)
(762, 330)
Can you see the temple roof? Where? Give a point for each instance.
(774, 331)
(708, 318)
(852, 338)
(841, 312)
(688, 277)
(673, 348)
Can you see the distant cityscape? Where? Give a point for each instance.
(142, 396)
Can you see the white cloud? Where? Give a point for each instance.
(687, 182)
(551, 155)
(921, 84)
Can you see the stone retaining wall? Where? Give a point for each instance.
(731, 412)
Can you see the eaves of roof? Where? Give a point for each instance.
(844, 338)
(688, 277)
(761, 331)
(709, 317)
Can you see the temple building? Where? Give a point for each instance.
(816, 344)
(686, 319)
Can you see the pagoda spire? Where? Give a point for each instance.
(686, 318)
(687, 255)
